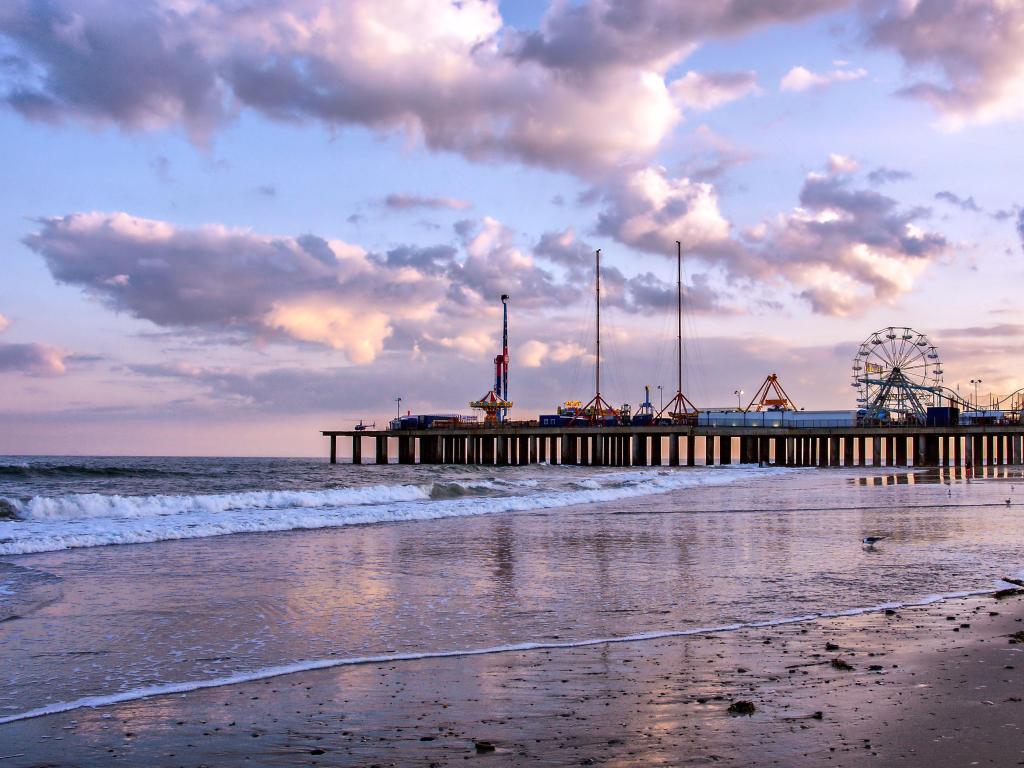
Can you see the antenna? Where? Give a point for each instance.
(684, 409)
(595, 409)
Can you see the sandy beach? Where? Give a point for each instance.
(937, 686)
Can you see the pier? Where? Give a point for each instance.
(674, 446)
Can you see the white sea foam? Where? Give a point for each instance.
(264, 673)
(88, 520)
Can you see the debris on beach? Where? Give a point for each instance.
(841, 664)
(1008, 592)
(483, 746)
(742, 707)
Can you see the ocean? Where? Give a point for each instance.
(124, 578)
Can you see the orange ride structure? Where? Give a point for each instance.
(770, 396)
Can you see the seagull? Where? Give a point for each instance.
(1009, 501)
(870, 541)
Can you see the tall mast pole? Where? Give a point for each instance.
(679, 313)
(504, 352)
(597, 367)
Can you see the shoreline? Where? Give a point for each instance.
(929, 685)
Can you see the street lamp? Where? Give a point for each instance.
(976, 382)
(739, 394)
(661, 399)
(398, 400)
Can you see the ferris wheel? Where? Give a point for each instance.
(897, 374)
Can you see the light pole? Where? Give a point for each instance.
(661, 399)
(976, 382)
(739, 394)
(398, 408)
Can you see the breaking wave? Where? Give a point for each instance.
(50, 523)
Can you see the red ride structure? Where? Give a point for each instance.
(495, 404)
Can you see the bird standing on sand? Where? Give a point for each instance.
(870, 541)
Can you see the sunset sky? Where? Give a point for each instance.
(227, 225)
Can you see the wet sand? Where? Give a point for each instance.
(931, 686)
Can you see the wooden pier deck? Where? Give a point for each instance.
(630, 446)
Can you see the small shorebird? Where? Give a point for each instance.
(870, 541)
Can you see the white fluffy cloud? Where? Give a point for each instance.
(534, 353)
(801, 79)
(648, 210)
(706, 91)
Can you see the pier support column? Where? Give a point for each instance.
(487, 450)
(848, 451)
(568, 448)
(833, 451)
(862, 450)
(977, 450)
(673, 450)
(691, 450)
(821, 446)
(501, 445)
(1015, 449)
(997, 452)
(656, 448)
(406, 450)
(876, 451)
(334, 449)
(901, 451)
(600, 444)
(639, 443)
(357, 449)
(725, 450)
(753, 449)
(381, 450)
(523, 453)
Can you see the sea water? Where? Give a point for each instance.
(124, 578)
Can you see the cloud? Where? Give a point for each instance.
(646, 209)
(973, 45)
(711, 156)
(409, 202)
(215, 279)
(1020, 227)
(713, 89)
(586, 92)
(964, 204)
(533, 353)
(36, 359)
(843, 248)
(801, 79)
(839, 164)
(585, 38)
(222, 283)
(883, 175)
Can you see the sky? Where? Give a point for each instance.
(225, 226)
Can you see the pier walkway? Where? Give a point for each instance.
(630, 446)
